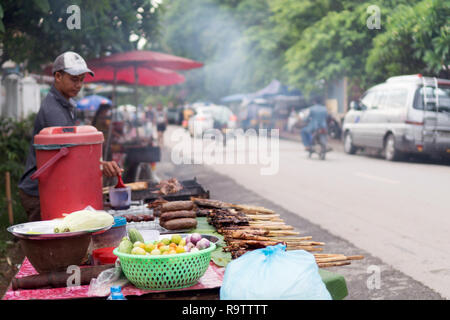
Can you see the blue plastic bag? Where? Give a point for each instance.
(272, 273)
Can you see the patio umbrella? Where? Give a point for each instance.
(92, 102)
(139, 67)
(127, 75)
(148, 59)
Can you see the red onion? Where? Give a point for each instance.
(203, 244)
(195, 237)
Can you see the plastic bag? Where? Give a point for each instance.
(272, 273)
(108, 278)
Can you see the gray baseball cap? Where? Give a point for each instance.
(72, 63)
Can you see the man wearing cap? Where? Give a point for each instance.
(58, 109)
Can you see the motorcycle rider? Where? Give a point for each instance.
(317, 119)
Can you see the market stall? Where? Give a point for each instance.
(176, 212)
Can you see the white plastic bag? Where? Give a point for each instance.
(272, 273)
(100, 286)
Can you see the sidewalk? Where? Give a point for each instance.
(337, 145)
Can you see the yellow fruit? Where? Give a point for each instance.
(159, 245)
(139, 244)
(182, 242)
(166, 241)
(165, 252)
(173, 245)
(149, 247)
(138, 250)
(180, 249)
(172, 251)
(164, 248)
(155, 252)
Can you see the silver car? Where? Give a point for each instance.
(201, 121)
(405, 115)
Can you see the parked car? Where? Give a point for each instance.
(404, 115)
(200, 121)
(211, 117)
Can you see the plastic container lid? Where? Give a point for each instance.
(69, 135)
(104, 255)
(119, 222)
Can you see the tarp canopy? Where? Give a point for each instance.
(273, 89)
(234, 97)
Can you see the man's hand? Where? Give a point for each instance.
(111, 169)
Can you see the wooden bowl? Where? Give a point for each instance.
(47, 255)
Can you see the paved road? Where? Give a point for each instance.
(397, 213)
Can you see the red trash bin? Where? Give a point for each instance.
(69, 170)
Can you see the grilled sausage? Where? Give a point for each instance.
(170, 215)
(179, 224)
(177, 206)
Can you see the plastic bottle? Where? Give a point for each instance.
(116, 293)
(117, 296)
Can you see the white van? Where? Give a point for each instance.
(405, 115)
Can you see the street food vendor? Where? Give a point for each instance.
(57, 109)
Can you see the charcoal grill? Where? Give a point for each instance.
(191, 188)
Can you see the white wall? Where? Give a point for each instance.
(19, 97)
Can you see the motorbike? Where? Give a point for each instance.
(319, 144)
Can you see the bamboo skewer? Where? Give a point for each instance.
(283, 233)
(306, 248)
(333, 264)
(336, 259)
(294, 238)
(263, 217)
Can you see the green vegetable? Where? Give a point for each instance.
(125, 246)
(135, 235)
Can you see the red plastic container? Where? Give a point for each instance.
(104, 256)
(68, 169)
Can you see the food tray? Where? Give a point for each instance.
(165, 272)
(44, 230)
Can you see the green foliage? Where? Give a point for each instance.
(15, 138)
(106, 26)
(417, 40)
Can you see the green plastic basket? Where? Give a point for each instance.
(162, 272)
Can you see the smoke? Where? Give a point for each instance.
(204, 31)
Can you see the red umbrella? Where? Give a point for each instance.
(126, 75)
(148, 59)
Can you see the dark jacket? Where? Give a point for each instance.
(55, 111)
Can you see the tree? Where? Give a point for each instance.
(35, 32)
(417, 40)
